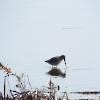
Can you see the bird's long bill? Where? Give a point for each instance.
(65, 66)
(65, 62)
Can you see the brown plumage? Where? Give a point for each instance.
(56, 60)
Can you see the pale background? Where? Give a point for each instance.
(32, 31)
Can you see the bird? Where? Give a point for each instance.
(56, 60)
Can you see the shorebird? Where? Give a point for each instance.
(56, 60)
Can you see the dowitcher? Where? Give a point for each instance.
(56, 60)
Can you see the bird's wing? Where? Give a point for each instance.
(54, 59)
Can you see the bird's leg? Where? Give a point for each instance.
(52, 66)
(56, 66)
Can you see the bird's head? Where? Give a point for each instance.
(63, 57)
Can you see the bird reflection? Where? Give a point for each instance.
(56, 72)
